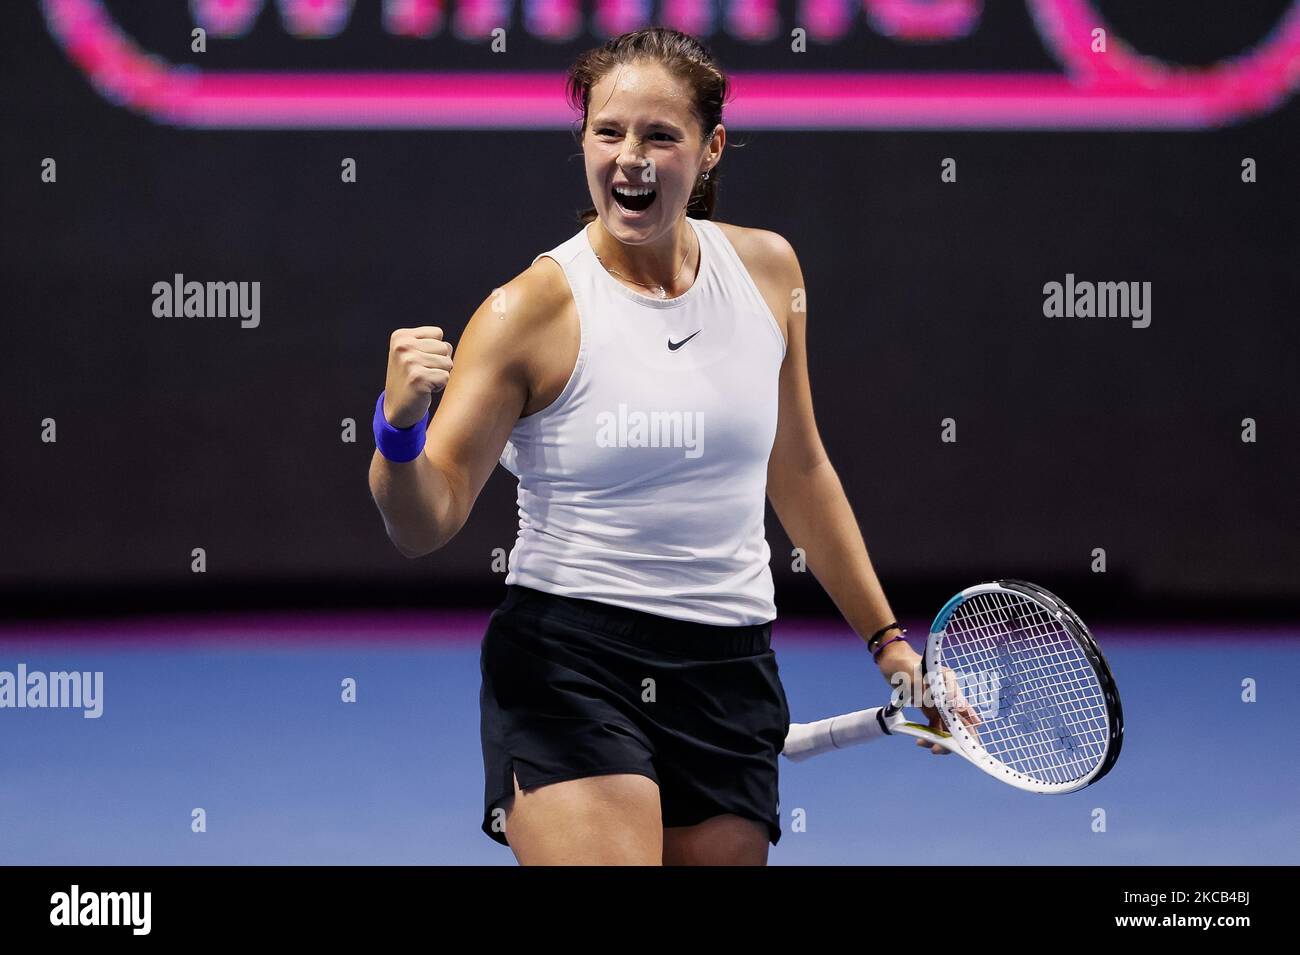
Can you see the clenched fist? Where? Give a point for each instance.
(419, 364)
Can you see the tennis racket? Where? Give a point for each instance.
(1049, 716)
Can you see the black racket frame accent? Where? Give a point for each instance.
(1092, 650)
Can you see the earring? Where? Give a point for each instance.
(706, 175)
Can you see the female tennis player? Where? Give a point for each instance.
(646, 381)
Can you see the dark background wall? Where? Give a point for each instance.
(925, 302)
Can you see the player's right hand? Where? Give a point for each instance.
(419, 365)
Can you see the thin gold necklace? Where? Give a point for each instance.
(659, 290)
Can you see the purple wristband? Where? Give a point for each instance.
(881, 649)
(398, 444)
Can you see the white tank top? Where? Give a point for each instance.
(643, 484)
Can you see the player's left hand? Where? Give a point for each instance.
(900, 664)
(965, 712)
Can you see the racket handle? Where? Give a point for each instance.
(811, 739)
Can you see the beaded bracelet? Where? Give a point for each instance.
(881, 649)
(881, 632)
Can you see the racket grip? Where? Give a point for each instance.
(804, 740)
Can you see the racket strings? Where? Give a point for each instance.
(1048, 718)
(1032, 727)
(1038, 733)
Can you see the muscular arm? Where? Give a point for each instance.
(426, 502)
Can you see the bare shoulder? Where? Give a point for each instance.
(545, 282)
(535, 300)
(762, 250)
(530, 326)
(529, 306)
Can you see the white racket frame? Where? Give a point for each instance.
(805, 740)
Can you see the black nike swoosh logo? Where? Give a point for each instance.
(673, 346)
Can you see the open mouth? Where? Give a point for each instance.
(634, 200)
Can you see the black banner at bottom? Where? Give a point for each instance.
(332, 904)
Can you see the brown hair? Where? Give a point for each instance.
(683, 56)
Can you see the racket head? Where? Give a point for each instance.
(1051, 720)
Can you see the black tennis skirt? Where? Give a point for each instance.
(575, 688)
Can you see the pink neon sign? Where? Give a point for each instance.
(1118, 89)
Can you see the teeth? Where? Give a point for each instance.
(624, 191)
